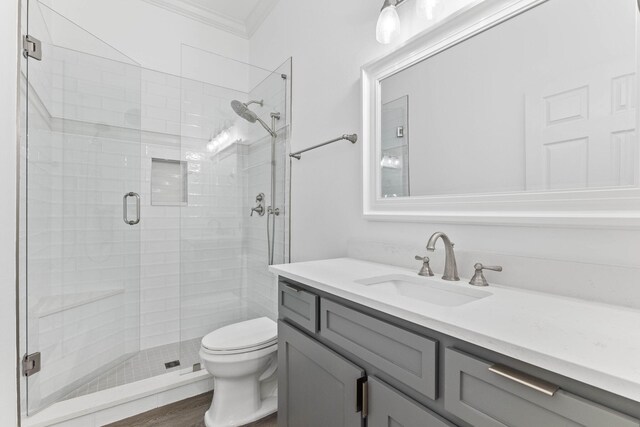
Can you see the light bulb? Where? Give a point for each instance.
(388, 26)
(424, 8)
(223, 139)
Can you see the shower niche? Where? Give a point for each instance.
(168, 182)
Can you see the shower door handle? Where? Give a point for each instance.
(125, 208)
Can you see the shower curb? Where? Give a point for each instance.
(117, 403)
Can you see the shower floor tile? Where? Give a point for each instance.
(142, 365)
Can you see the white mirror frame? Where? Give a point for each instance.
(603, 208)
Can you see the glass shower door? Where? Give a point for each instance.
(224, 248)
(80, 210)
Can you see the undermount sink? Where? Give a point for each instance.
(424, 289)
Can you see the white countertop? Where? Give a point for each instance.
(593, 343)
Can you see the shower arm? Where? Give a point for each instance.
(352, 138)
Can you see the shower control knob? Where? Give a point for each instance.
(273, 211)
(259, 209)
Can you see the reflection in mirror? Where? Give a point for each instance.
(530, 105)
(394, 162)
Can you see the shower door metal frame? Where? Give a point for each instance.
(18, 312)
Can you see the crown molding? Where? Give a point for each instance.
(192, 10)
(258, 15)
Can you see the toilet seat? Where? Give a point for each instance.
(243, 337)
(205, 350)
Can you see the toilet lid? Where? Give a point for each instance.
(242, 335)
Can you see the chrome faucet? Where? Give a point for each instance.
(450, 267)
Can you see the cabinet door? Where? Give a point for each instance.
(389, 407)
(316, 387)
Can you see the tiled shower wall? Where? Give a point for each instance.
(160, 227)
(211, 226)
(257, 167)
(212, 294)
(192, 266)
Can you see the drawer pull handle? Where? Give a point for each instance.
(527, 380)
(292, 289)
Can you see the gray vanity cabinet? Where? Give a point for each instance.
(415, 377)
(484, 398)
(316, 387)
(388, 407)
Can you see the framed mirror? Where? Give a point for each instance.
(505, 114)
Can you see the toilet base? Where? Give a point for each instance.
(269, 406)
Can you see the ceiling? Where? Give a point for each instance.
(239, 17)
(238, 9)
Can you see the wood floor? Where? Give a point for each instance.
(185, 413)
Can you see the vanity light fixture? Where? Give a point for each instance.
(388, 26)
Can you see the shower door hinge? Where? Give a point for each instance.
(31, 47)
(31, 364)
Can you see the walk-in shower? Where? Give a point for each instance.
(107, 302)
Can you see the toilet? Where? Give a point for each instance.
(242, 359)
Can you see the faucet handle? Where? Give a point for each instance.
(259, 209)
(426, 269)
(478, 278)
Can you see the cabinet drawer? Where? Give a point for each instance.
(485, 398)
(298, 306)
(407, 357)
(389, 407)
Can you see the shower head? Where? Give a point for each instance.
(242, 110)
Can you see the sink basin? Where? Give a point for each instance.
(424, 289)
